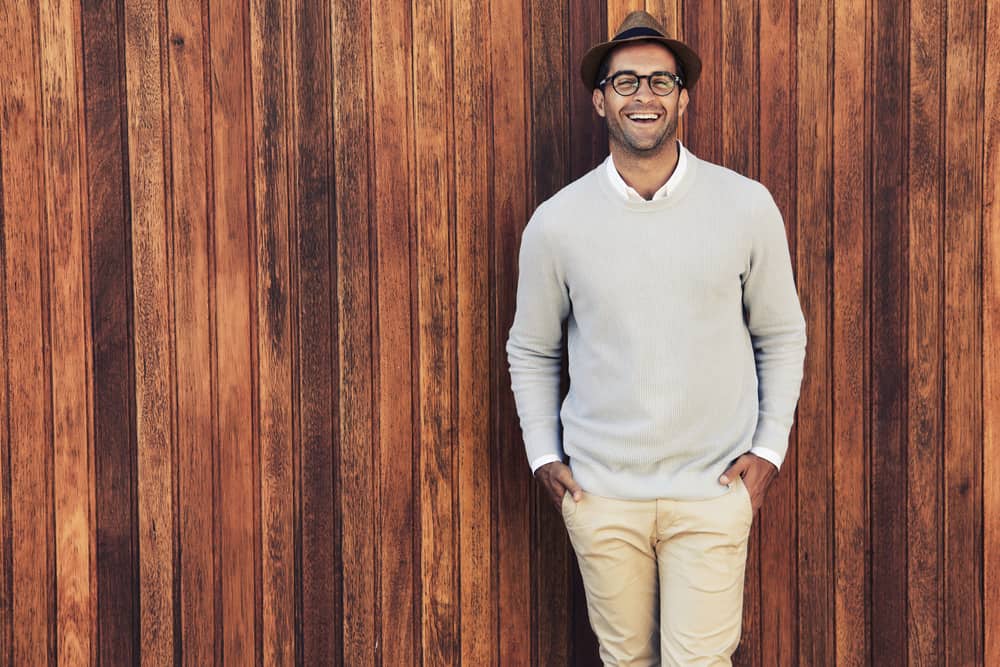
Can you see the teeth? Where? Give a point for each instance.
(643, 116)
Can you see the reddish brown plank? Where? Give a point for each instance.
(30, 561)
(617, 10)
(392, 68)
(850, 326)
(68, 319)
(6, 502)
(814, 170)
(190, 162)
(312, 174)
(237, 453)
(357, 474)
(888, 335)
(703, 33)
(512, 482)
(435, 240)
(471, 163)
(271, 127)
(116, 558)
(924, 337)
(963, 342)
(777, 624)
(154, 402)
(588, 144)
(991, 332)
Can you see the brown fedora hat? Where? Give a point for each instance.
(640, 26)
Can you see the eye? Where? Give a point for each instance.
(662, 84)
(626, 81)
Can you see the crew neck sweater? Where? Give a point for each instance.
(684, 333)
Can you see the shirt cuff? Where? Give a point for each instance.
(768, 455)
(542, 460)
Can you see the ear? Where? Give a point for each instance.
(682, 102)
(598, 99)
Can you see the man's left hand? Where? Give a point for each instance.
(757, 474)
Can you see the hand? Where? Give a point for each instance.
(556, 479)
(757, 474)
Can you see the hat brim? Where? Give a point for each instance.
(689, 60)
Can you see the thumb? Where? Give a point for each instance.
(567, 480)
(735, 470)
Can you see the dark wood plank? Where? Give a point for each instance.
(740, 91)
(924, 336)
(68, 318)
(392, 67)
(512, 480)
(963, 342)
(269, 63)
(888, 335)
(432, 41)
(588, 144)
(312, 169)
(549, 172)
(154, 400)
(191, 165)
(116, 558)
(991, 332)
(358, 476)
(776, 522)
(814, 170)
(237, 452)
(703, 33)
(30, 561)
(850, 327)
(472, 164)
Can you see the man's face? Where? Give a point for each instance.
(629, 125)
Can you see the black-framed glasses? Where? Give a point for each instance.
(627, 83)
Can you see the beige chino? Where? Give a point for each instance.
(664, 578)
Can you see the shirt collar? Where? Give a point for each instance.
(628, 192)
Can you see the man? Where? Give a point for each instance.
(686, 344)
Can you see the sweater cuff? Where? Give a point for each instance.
(542, 460)
(543, 442)
(768, 455)
(773, 437)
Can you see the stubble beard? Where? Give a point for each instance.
(619, 136)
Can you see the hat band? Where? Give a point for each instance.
(637, 32)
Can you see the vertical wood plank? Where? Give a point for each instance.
(617, 10)
(29, 564)
(190, 162)
(68, 317)
(924, 336)
(813, 249)
(269, 66)
(550, 170)
(471, 163)
(431, 46)
(850, 326)
(512, 481)
(888, 336)
(317, 558)
(392, 69)
(740, 91)
(777, 549)
(963, 343)
(358, 476)
(235, 331)
(991, 332)
(6, 502)
(154, 400)
(116, 557)
(703, 33)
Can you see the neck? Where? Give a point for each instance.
(646, 173)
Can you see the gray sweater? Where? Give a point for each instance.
(685, 336)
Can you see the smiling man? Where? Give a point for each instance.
(685, 344)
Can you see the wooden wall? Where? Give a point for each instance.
(257, 268)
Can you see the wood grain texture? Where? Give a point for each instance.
(963, 342)
(392, 212)
(851, 318)
(235, 332)
(702, 23)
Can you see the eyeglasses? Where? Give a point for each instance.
(627, 83)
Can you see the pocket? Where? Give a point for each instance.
(568, 506)
(747, 502)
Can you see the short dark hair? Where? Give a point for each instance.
(605, 67)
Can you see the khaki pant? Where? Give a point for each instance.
(664, 578)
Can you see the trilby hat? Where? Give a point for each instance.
(640, 26)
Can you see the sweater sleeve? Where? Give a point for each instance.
(535, 342)
(777, 328)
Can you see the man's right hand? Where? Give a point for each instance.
(556, 478)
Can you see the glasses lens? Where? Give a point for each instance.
(625, 84)
(661, 84)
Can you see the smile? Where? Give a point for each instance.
(642, 117)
